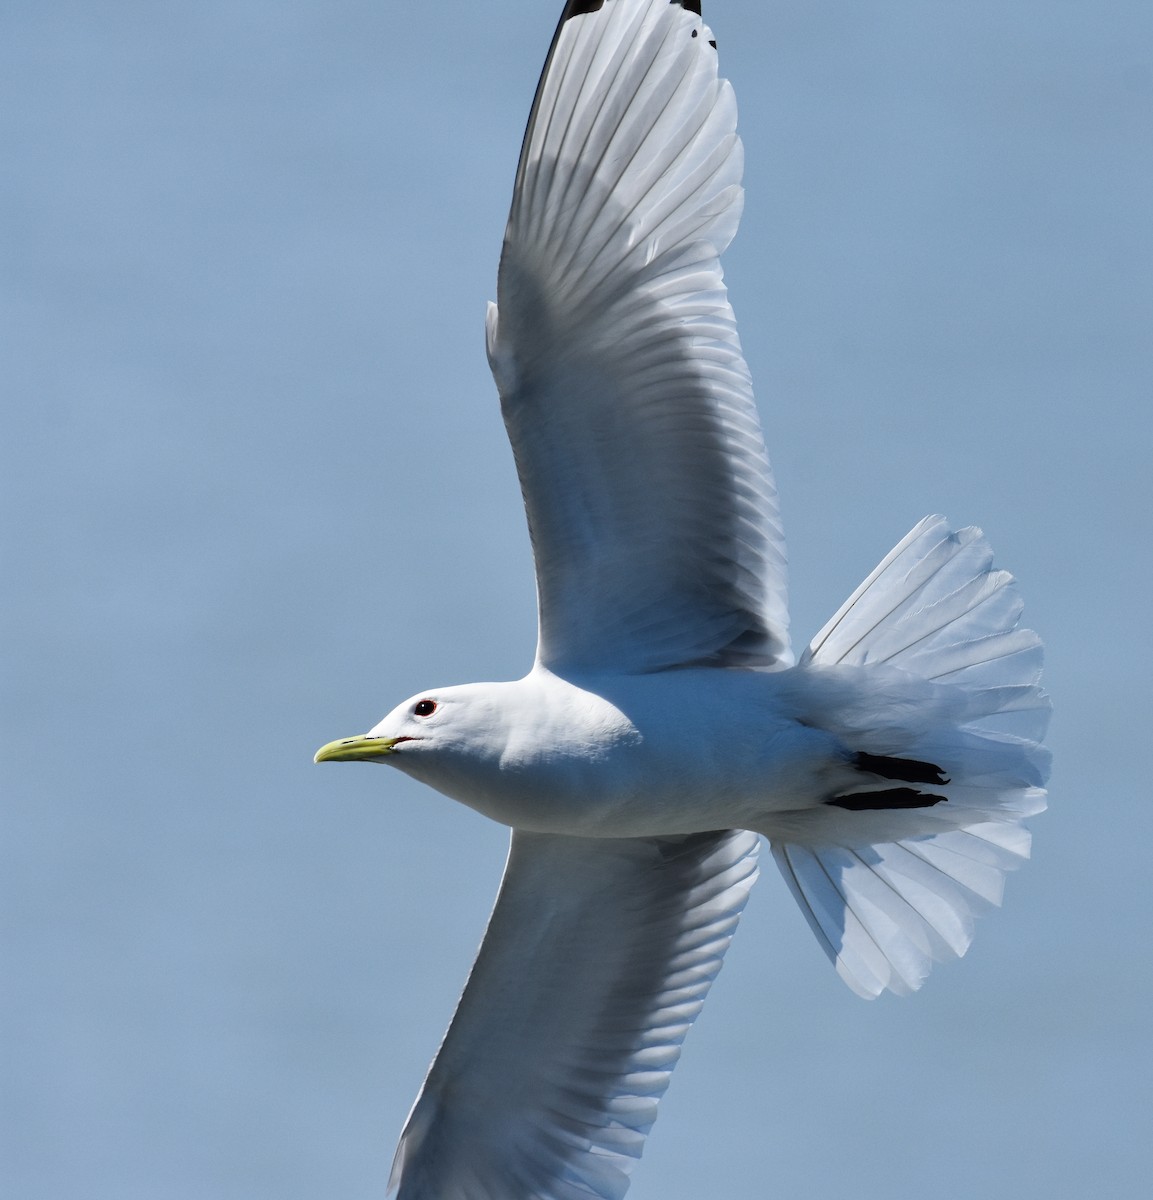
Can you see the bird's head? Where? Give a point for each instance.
(442, 723)
(498, 747)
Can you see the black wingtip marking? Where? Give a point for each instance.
(889, 798)
(575, 8)
(907, 770)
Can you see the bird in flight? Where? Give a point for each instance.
(666, 726)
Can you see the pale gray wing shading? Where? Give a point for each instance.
(596, 960)
(651, 505)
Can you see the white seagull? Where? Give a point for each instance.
(665, 725)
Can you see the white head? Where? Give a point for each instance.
(463, 722)
(518, 752)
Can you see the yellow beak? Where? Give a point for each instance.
(355, 749)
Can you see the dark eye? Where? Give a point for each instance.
(424, 708)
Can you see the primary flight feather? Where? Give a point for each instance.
(663, 727)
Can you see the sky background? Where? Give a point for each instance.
(255, 491)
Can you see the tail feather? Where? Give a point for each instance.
(924, 662)
(936, 608)
(885, 913)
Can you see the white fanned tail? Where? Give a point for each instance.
(924, 673)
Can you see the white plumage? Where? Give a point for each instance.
(597, 958)
(663, 726)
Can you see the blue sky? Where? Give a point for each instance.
(256, 490)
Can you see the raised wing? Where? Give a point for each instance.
(596, 960)
(651, 506)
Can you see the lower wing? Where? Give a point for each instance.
(596, 960)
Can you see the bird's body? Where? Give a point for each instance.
(666, 725)
(626, 756)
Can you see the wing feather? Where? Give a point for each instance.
(650, 502)
(595, 963)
